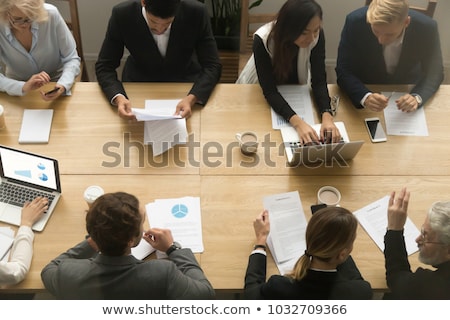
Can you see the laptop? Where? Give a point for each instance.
(323, 154)
(24, 176)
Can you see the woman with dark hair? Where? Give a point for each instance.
(291, 50)
(325, 271)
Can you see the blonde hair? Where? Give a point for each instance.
(387, 11)
(33, 9)
(329, 231)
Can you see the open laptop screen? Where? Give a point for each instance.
(29, 168)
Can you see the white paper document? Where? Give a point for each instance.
(286, 239)
(6, 242)
(299, 99)
(162, 129)
(142, 250)
(182, 216)
(399, 123)
(373, 218)
(152, 114)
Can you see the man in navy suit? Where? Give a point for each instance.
(168, 41)
(386, 43)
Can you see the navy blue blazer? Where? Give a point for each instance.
(360, 57)
(191, 56)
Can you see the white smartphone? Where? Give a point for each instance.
(376, 131)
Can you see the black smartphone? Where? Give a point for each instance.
(375, 129)
(316, 207)
(55, 89)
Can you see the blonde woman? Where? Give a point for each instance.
(325, 271)
(36, 47)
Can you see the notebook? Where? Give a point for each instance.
(317, 155)
(36, 125)
(35, 175)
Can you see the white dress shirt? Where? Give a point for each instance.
(161, 40)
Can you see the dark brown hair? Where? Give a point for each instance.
(113, 221)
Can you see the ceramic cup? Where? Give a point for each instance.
(328, 195)
(248, 142)
(91, 193)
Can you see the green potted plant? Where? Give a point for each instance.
(226, 20)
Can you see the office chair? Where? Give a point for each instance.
(246, 31)
(74, 26)
(428, 10)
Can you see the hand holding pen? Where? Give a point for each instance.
(160, 239)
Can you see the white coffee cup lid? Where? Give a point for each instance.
(93, 192)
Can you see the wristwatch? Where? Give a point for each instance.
(418, 99)
(328, 110)
(175, 246)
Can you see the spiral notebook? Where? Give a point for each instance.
(36, 125)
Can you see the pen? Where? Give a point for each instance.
(390, 96)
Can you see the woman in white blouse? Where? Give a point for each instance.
(36, 47)
(15, 270)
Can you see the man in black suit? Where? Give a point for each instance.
(386, 43)
(434, 250)
(168, 41)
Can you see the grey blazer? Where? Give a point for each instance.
(81, 273)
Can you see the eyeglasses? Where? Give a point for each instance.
(19, 21)
(423, 239)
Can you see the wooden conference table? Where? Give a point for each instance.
(94, 146)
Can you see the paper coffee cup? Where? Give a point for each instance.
(328, 195)
(92, 193)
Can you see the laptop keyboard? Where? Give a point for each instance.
(297, 144)
(18, 195)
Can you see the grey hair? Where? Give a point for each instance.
(439, 218)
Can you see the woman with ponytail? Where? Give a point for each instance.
(325, 270)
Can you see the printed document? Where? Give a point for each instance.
(373, 218)
(399, 123)
(299, 99)
(286, 239)
(162, 129)
(182, 216)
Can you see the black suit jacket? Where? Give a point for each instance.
(191, 56)
(360, 57)
(405, 284)
(347, 283)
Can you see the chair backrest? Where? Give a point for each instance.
(428, 10)
(74, 26)
(247, 19)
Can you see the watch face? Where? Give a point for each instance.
(176, 245)
(418, 99)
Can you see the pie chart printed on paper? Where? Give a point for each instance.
(179, 211)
